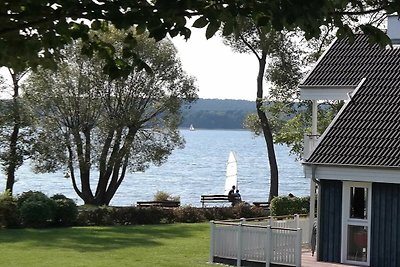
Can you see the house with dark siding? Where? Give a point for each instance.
(355, 163)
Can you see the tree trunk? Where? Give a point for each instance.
(274, 181)
(12, 153)
(12, 163)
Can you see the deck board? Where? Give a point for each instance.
(309, 261)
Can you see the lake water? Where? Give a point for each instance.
(197, 169)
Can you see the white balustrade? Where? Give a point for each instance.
(278, 242)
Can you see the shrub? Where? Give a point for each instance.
(36, 209)
(164, 196)
(9, 215)
(289, 205)
(218, 213)
(189, 214)
(124, 216)
(33, 195)
(65, 210)
(153, 215)
(244, 210)
(100, 216)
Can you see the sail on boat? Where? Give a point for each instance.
(191, 127)
(231, 173)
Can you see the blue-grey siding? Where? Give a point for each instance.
(385, 225)
(330, 221)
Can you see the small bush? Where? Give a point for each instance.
(164, 196)
(36, 209)
(216, 213)
(289, 205)
(244, 210)
(65, 210)
(9, 215)
(124, 216)
(189, 214)
(154, 215)
(89, 216)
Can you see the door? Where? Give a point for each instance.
(356, 223)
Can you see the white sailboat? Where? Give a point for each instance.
(191, 127)
(231, 173)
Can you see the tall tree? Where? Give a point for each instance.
(15, 117)
(266, 44)
(91, 122)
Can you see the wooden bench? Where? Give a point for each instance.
(264, 205)
(162, 204)
(213, 199)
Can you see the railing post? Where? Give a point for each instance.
(239, 244)
(268, 246)
(212, 242)
(297, 250)
(296, 219)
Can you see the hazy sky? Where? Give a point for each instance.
(220, 72)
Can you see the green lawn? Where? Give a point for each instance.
(149, 245)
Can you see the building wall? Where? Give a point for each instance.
(330, 221)
(385, 225)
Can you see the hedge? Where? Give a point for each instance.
(285, 205)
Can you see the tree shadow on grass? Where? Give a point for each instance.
(97, 239)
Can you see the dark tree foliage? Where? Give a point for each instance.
(32, 32)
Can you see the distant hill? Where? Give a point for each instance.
(204, 113)
(217, 113)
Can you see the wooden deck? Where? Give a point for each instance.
(308, 261)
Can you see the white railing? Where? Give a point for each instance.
(294, 222)
(290, 221)
(254, 242)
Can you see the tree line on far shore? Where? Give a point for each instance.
(217, 114)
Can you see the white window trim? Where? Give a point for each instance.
(346, 220)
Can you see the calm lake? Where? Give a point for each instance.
(197, 169)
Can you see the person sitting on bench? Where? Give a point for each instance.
(238, 197)
(232, 196)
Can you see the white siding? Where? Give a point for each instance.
(325, 93)
(358, 174)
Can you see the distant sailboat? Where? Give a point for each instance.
(191, 127)
(67, 175)
(231, 173)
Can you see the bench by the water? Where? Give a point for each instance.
(163, 204)
(214, 199)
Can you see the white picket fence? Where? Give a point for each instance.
(257, 242)
(294, 221)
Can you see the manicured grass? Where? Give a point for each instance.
(149, 245)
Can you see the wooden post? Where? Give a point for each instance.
(212, 242)
(268, 246)
(296, 219)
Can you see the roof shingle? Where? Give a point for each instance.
(367, 132)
